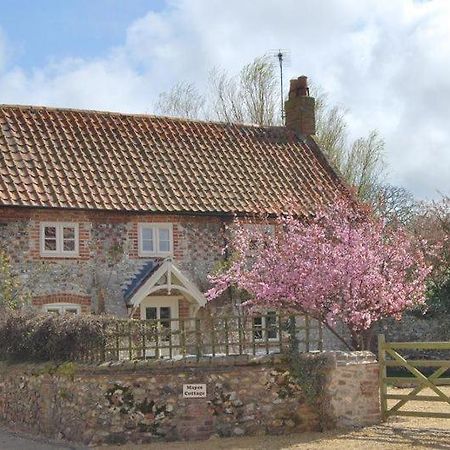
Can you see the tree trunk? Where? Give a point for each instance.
(363, 340)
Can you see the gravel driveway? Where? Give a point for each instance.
(10, 440)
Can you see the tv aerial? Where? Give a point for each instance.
(283, 57)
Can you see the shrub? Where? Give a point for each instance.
(26, 335)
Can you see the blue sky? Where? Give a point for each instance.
(42, 31)
(387, 62)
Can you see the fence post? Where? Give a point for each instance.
(143, 331)
(213, 337)
(183, 336)
(382, 375)
(293, 335)
(280, 333)
(320, 336)
(103, 343)
(307, 334)
(117, 341)
(227, 349)
(198, 340)
(130, 343)
(240, 333)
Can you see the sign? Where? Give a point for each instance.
(194, 390)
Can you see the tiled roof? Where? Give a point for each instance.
(136, 281)
(62, 158)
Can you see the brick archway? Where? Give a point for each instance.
(84, 301)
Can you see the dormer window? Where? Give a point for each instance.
(155, 239)
(59, 239)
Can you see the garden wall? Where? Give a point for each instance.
(143, 402)
(417, 328)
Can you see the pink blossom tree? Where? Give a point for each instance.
(342, 265)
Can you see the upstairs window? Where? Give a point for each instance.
(155, 239)
(59, 239)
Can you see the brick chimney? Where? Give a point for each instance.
(299, 108)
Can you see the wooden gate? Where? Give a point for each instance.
(388, 356)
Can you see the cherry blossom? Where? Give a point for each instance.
(344, 265)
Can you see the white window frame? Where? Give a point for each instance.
(155, 227)
(59, 252)
(263, 330)
(62, 307)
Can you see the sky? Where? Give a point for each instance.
(386, 61)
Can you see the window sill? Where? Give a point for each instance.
(154, 255)
(263, 341)
(60, 255)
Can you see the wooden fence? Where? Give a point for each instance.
(390, 357)
(224, 335)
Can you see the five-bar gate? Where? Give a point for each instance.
(388, 356)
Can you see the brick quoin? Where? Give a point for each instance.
(83, 300)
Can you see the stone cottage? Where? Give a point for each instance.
(126, 213)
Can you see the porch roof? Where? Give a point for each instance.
(161, 275)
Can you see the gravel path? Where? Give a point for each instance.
(11, 440)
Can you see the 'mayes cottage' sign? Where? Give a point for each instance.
(194, 390)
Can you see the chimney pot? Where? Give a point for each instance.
(300, 107)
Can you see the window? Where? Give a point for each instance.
(61, 308)
(155, 239)
(163, 315)
(59, 239)
(265, 327)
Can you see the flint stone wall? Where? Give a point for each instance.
(139, 402)
(108, 257)
(418, 328)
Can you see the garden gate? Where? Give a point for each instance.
(388, 356)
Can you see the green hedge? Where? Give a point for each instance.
(29, 336)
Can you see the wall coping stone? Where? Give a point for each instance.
(358, 357)
(189, 362)
(334, 358)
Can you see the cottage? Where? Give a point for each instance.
(126, 213)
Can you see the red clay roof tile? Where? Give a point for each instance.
(62, 158)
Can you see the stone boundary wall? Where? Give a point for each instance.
(353, 389)
(135, 402)
(417, 328)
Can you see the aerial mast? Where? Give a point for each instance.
(281, 55)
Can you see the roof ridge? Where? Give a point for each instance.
(137, 115)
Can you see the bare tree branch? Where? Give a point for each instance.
(183, 100)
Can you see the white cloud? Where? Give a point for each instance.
(388, 62)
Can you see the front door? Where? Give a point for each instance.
(162, 314)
